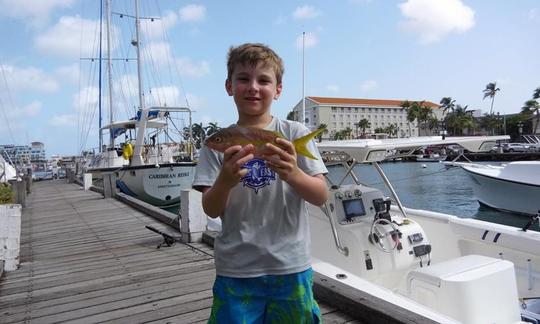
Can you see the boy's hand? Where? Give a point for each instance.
(282, 159)
(233, 159)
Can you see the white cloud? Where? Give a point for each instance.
(69, 72)
(63, 120)
(73, 37)
(433, 20)
(28, 78)
(160, 54)
(155, 29)
(192, 13)
(311, 40)
(30, 110)
(187, 67)
(361, 1)
(196, 102)
(306, 12)
(86, 100)
(32, 12)
(368, 85)
(332, 88)
(534, 14)
(165, 96)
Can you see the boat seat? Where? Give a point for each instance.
(468, 288)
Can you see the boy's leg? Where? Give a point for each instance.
(290, 299)
(237, 300)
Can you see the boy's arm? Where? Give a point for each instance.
(284, 162)
(214, 198)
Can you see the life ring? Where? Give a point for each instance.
(128, 151)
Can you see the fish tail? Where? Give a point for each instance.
(300, 144)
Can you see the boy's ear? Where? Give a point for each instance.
(279, 88)
(228, 87)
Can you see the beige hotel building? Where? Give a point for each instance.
(340, 113)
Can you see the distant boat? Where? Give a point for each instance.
(513, 187)
(7, 171)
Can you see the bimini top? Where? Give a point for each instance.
(371, 150)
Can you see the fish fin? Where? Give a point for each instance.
(300, 144)
(278, 134)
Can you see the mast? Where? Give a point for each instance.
(109, 70)
(141, 129)
(99, 76)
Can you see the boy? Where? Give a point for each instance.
(262, 254)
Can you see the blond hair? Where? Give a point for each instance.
(252, 54)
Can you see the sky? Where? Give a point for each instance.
(380, 49)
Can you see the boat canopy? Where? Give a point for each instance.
(372, 150)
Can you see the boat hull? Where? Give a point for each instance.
(504, 194)
(159, 186)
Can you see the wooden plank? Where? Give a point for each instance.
(85, 259)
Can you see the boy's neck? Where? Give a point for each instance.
(254, 121)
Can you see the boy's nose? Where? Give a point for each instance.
(253, 85)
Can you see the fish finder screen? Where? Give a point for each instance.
(353, 208)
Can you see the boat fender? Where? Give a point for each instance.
(128, 151)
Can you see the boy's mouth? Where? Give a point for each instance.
(252, 99)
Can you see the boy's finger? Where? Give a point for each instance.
(231, 151)
(286, 145)
(240, 162)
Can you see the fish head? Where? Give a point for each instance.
(220, 141)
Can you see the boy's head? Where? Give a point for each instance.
(252, 54)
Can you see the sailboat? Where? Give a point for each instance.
(144, 168)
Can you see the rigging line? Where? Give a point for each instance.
(2, 105)
(87, 110)
(175, 64)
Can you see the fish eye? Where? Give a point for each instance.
(218, 139)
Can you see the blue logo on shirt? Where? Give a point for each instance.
(259, 175)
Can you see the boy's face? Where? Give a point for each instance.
(253, 89)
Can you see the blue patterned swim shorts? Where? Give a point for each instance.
(279, 299)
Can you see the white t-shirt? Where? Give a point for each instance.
(265, 228)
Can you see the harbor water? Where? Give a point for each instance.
(431, 186)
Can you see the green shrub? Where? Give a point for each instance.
(6, 194)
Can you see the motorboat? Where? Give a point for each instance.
(439, 267)
(433, 157)
(512, 187)
(444, 268)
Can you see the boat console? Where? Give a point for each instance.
(388, 242)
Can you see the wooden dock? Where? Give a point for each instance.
(85, 259)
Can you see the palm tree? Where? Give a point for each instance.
(530, 108)
(424, 113)
(211, 129)
(325, 131)
(391, 130)
(347, 132)
(460, 119)
(536, 93)
(363, 124)
(291, 115)
(406, 105)
(448, 105)
(490, 91)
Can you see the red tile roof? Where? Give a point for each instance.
(370, 102)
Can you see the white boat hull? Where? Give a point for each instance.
(158, 186)
(503, 193)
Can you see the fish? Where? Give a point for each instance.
(238, 135)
